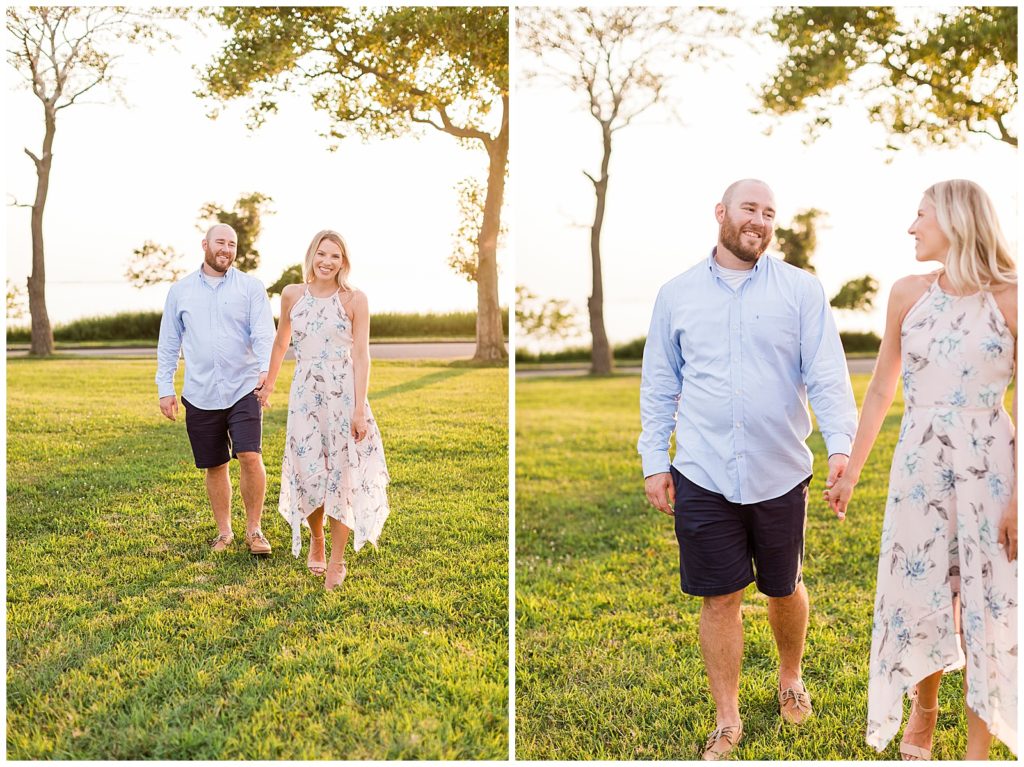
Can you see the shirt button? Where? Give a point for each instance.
(737, 425)
(737, 391)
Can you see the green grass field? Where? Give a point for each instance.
(128, 639)
(608, 665)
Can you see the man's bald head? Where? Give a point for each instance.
(731, 191)
(746, 222)
(214, 231)
(219, 248)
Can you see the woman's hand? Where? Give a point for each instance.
(359, 425)
(1008, 529)
(839, 495)
(263, 394)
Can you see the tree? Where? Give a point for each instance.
(152, 264)
(553, 318)
(620, 61)
(15, 301)
(933, 79)
(857, 295)
(464, 258)
(290, 276)
(246, 219)
(64, 53)
(799, 240)
(384, 72)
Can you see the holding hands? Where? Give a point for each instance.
(263, 390)
(839, 486)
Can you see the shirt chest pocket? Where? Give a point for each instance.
(773, 332)
(234, 308)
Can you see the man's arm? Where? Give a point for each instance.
(661, 384)
(823, 366)
(167, 350)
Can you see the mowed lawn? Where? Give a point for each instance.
(128, 639)
(608, 664)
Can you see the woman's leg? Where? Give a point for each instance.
(336, 569)
(920, 725)
(317, 544)
(979, 739)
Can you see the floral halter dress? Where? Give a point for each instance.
(952, 475)
(323, 463)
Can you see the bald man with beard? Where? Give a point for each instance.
(220, 319)
(737, 347)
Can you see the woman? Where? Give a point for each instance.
(949, 540)
(333, 457)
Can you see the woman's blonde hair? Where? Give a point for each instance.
(346, 266)
(979, 258)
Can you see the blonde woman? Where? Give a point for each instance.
(333, 458)
(947, 577)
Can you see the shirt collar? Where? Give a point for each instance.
(757, 264)
(206, 278)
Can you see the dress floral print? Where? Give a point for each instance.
(323, 464)
(952, 475)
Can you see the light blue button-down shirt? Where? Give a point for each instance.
(732, 372)
(226, 333)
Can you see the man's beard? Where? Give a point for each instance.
(211, 261)
(730, 236)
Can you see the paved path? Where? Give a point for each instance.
(857, 365)
(449, 350)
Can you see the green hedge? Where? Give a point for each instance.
(634, 350)
(145, 326)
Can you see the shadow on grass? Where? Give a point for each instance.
(418, 383)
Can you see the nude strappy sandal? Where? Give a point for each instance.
(916, 753)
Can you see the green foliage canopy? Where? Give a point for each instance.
(374, 71)
(290, 276)
(931, 78)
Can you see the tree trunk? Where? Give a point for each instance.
(490, 336)
(600, 350)
(42, 333)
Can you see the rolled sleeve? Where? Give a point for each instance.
(661, 385)
(823, 366)
(168, 346)
(261, 324)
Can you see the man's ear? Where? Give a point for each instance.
(720, 212)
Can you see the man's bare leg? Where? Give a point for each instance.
(252, 482)
(218, 489)
(788, 619)
(721, 645)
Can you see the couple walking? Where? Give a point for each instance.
(737, 347)
(219, 319)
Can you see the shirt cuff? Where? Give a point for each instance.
(166, 390)
(655, 463)
(838, 443)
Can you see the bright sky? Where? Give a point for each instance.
(124, 175)
(665, 178)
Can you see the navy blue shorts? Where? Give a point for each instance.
(724, 546)
(217, 436)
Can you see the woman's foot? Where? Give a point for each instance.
(317, 559)
(336, 572)
(917, 734)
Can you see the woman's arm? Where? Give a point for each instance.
(1007, 536)
(281, 341)
(359, 312)
(881, 391)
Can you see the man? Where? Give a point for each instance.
(220, 318)
(736, 347)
